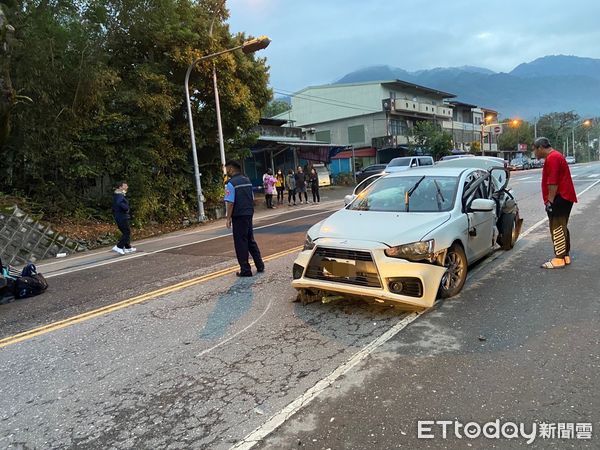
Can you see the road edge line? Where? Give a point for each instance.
(300, 402)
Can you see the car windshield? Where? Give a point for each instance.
(433, 194)
(399, 162)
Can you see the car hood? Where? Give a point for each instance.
(383, 227)
(396, 169)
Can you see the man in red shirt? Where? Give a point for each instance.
(559, 195)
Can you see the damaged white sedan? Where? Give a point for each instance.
(408, 237)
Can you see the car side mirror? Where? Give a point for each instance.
(349, 199)
(482, 205)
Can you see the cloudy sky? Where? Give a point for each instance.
(318, 41)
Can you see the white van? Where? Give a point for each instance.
(323, 174)
(408, 162)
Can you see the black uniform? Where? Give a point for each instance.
(241, 219)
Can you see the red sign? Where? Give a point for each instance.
(497, 130)
(522, 147)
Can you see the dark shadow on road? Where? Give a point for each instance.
(230, 307)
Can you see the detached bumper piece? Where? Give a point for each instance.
(343, 266)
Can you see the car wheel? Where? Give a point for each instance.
(507, 227)
(456, 273)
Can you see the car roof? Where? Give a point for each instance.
(476, 162)
(430, 170)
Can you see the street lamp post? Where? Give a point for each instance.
(483, 125)
(216, 89)
(585, 123)
(249, 46)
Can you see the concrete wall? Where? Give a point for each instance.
(22, 239)
(374, 124)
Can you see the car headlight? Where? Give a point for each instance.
(309, 244)
(417, 251)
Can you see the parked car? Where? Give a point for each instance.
(451, 157)
(408, 162)
(408, 237)
(520, 164)
(571, 160)
(369, 170)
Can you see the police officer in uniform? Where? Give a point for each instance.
(239, 200)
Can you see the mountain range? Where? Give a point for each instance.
(555, 83)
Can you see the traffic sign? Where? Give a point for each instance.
(497, 129)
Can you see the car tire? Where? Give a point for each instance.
(506, 227)
(456, 275)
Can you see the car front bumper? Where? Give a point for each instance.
(387, 271)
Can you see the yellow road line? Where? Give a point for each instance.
(54, 326)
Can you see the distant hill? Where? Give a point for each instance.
(559, 65)
(548, 84)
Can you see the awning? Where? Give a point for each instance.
(316, 151)
(360, 153)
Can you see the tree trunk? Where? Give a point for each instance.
(7, 93)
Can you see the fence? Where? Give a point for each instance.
(23, 239)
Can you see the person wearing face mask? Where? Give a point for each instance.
(280, 186)
(269, 184)
(120, 208)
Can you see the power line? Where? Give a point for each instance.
(327, 101)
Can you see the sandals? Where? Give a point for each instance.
(553, 264)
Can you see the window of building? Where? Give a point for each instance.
(356, 134)
(323, 136)
(398, 127)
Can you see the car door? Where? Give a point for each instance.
(480, 233)
(425, 161)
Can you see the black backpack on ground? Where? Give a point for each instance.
(27, 284)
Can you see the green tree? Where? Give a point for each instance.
(7, 93)
(432, 138)
(557, 127)
(513, 132)
(106, 78)
(276, 107)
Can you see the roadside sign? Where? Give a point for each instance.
(497, 129)
(522, 147)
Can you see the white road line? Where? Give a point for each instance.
(524, 178)
(594, 175)
(186, 233)
(282, 416)
(279, 418)
(141, 254)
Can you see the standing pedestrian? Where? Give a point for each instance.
(301, 184)
(290, 184)
(269, 184)
(239, 200)
(313, 180)
(121, 214)
(559, 195)
(280, 186)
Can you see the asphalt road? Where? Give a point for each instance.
(184, 355)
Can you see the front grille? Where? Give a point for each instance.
(343, 266)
